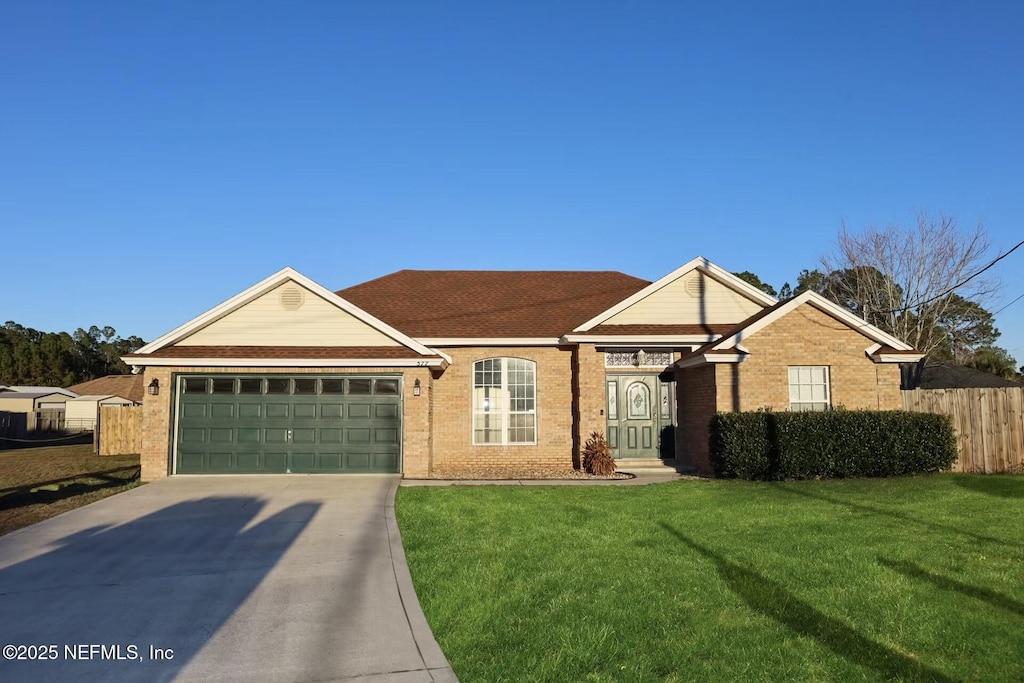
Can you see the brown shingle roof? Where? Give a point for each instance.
(130, 387)
(488, 303)
(289, 352)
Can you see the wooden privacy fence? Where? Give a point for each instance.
(120, 430)
(989, 425)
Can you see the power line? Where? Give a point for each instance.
(959, 284)
(1008, 305)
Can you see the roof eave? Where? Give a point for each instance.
(151, 361)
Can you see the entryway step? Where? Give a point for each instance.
(627, 464)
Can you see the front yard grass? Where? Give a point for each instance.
(39, 483)
(891, 579)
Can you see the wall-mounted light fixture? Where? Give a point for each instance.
(154, 387)
(415, 388)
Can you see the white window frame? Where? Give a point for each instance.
(504, 411)
(809, 405)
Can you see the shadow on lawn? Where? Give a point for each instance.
(984, 594)
(1000, 485)
(68, 487)
(771, 599)
(885, 512)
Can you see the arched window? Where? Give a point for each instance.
(504, 401)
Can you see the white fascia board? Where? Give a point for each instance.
(897, 357)
(700, 262)
(650, 339)
(264, 286)
(712, 358)
(488, 341)
(285, 362)
(824, 305)
(870, 351)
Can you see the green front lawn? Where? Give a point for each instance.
(889, 579)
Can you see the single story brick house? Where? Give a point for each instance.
(441, 373)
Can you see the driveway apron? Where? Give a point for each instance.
(218, 578)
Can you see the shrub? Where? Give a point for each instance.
(597, 456)
(839, 443)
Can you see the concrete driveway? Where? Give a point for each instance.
(218, 578)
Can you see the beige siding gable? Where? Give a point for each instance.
(693, 298)
(288, 315)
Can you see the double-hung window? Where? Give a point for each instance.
(504, 401)
(809, 388)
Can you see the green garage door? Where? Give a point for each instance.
(282, 423)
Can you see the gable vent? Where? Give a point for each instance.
(695, 286)
(292, 298)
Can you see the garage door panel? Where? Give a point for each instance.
(248, 461)
(329, 410)
(222, 410)
(222, 435)
(275, 462)
(359, 410)
(276, 410)
(301, 410)
(249, 434)
(304, 462)
(193, 410)
(389, 436)
(248, 410)
(385, 410)
(357, 436)
(191, 462)
(221, 462)
(275, 435)
(332, 462)
(383, 462)
(331, 435)
(276, 423)
(307, 435)
(191, 435)
(359, 462)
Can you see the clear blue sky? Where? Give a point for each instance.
(158, 158)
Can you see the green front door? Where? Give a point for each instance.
(639, 411)
(287, 423)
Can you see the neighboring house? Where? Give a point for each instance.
(83, 412)
(448, 373)
(41, 390)
(25, 405)
(935, 374)
(131, 387)
(30, 401)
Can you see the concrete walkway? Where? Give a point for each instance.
(219, 578)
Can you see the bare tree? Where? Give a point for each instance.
(911, 281)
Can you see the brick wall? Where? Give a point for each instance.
(157, 415)
(455, 455)
(807, 336)
(591, 397)
(696, 402)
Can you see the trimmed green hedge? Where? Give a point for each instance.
(836, 443)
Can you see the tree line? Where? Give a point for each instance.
(927, 284)
(32, 357)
